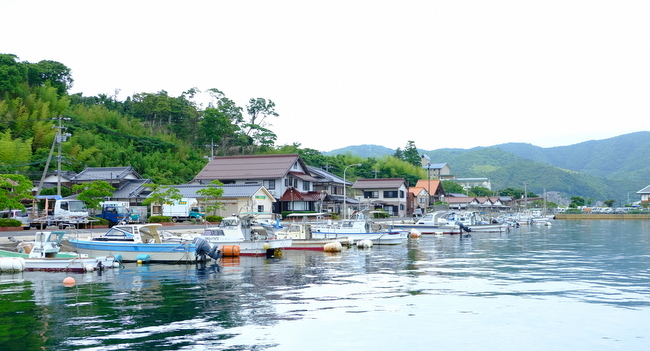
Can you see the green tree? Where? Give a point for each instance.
(577, 201)
(480, 191)
(609, 203)
(14, 188)
(452, 187)
(93, 193)
(162, 194)
(12, 73)
(256, 128)
(55, 73)
(399, 154)
(411, 154)
(211, 193)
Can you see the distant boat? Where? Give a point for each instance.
(301, 234)
(43, 254)
(361, 227)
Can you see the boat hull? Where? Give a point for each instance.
(378, 238)
(252, 247)
(132, 252)
(68, 264)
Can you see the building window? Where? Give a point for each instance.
(326, 187)
(295, 182)
(305, 185)
(271, 185)
(389, 194)
(286, 182)
(260, 208)
(401, 194)
(401, 207)
(371, 194)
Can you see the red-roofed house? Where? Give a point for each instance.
(286, 177)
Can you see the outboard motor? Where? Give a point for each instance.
(203, 249)
(463, 227)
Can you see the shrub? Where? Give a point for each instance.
(160, 219)
(10, 223)
(573, 211)
(100, 221)
(213, 219)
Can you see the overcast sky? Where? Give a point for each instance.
(444, 74)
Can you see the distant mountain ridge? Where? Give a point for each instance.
(614, 168)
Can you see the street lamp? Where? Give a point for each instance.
(345, 196)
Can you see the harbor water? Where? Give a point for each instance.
(575, 285)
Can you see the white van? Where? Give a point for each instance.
(19, 215)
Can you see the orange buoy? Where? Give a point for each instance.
(69, 281)
(229, 250)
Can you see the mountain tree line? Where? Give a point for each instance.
(165, 138)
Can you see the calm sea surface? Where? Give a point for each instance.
(576, 285)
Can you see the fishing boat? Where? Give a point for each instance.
(474, 221)
(360, 227)
(301, 235)
(44, 254)
(428, 224)
(236, 230)
(138, 242)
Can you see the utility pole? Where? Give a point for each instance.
(58, 138)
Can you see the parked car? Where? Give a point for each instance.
(19, 215)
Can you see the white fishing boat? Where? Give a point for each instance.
(302, 238)
(138, 242)
(235, 231)
(428, 224)
(360, 227)
(44, 254)
(474, 221)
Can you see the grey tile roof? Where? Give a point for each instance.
(324, 176)
(132, 189)
(645, 190)
(106, 173)
(229, 190)
(249, 167)
(380, 183)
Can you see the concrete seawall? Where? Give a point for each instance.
(602, 216)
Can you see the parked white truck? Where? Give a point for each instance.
(58, 212)
(184, 210)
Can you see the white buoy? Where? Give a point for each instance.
(364, 244)
(548, 224)
(414, 234)
(12, 264)
(334, 246)
(89, 268)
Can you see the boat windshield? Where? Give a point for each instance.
(229, 222)
(347, 224)
(118, 232)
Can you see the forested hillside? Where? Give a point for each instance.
(165, 138)
(613, 168)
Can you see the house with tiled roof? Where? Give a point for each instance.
(645, 195)
(286, 177)
(331, 187)
(434, 188)
(436, 170)
(420, 199)
(236, 197)
(129, 185)
(388, 194)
